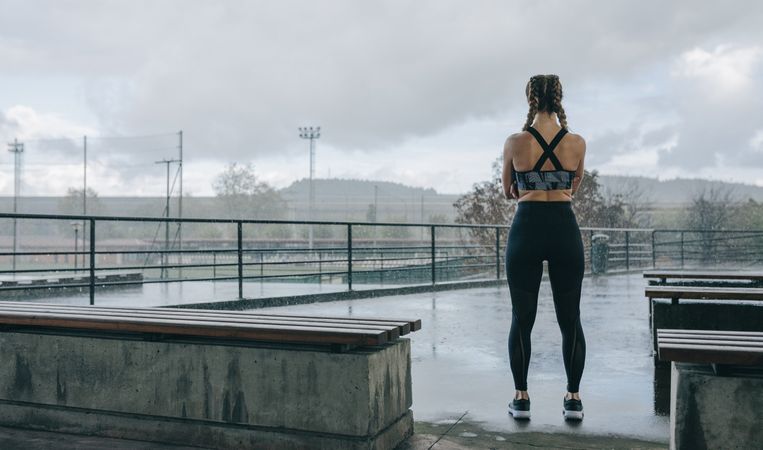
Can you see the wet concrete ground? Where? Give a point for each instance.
(460, 364)
(460, 359)
(158, 294)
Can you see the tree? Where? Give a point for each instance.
(72, 203)
(709, 212)
(244, 196)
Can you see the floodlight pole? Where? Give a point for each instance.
(311, 133)
(17, 148)
(84, 196)
(165, 254)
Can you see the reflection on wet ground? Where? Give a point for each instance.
(460, 360)
(166, 294)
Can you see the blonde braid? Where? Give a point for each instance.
(532, 91)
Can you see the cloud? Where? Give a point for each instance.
(666, 79)
(724, 70)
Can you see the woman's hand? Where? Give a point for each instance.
(513, 190)
(575, 185)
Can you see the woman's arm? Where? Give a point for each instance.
(507, 177)
(580, 171)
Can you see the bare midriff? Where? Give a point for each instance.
(560, 195)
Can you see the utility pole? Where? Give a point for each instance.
(166, 162)
(180, 205)
(422, 216)
(84, 197)
(17, 148)
(311, 133)
(376, 210)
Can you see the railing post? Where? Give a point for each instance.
(497, 253)
(240, 260)
(590, 249)
(654, 255)
(682, 249)
(214, 265)
(349, 256)
(92, 261)
(432, 245)
(627, 251)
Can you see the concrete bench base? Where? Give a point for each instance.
(710, 411)
(217, 395)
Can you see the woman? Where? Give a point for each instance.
(542, 169)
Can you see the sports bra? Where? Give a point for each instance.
(545, 180)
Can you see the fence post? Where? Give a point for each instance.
(432, 233)
(627, 251)
(654, 255)
(497, 253)
(682, 249)
(214, 265)
(320, 267)
(240, 260)
(92, 261)
(349, 256)
(590, 249)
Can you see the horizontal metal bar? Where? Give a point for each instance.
(74, 217)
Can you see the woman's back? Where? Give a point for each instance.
(523, 151)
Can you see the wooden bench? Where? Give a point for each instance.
(676, 293)
(341, 334)
(223, 379)
(728, 278)
(744, 348)
(747, 322)
(718, 409)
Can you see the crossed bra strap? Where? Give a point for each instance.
(548, 149)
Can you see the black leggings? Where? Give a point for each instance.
(545, 231)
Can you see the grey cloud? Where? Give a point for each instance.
(239, 77)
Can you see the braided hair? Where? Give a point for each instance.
(544, 94)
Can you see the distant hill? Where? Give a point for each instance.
(678, 191)
(338, 199)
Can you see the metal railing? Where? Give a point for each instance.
(118, 251)
(354, 254)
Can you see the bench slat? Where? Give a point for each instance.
(405, 326)
(662, 331)
(220, 329)
(712, 355)
(704, 275)
(719, 338)
(393, 331)
(710, 347)
(703, 293)
(712, 342)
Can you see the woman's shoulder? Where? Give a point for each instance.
(519, 139)
(575, 138)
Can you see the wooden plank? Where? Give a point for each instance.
(256, 332)
(704, 354)
(718, 338)
(704, 275)
(703, 293)
(393, 332)
(713, 332)
(710, 341)
(405, 326)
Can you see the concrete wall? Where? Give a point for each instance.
(714, 412)
(199, 393)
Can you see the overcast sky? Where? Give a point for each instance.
(422, 93)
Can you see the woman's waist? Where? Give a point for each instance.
(545, 212)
